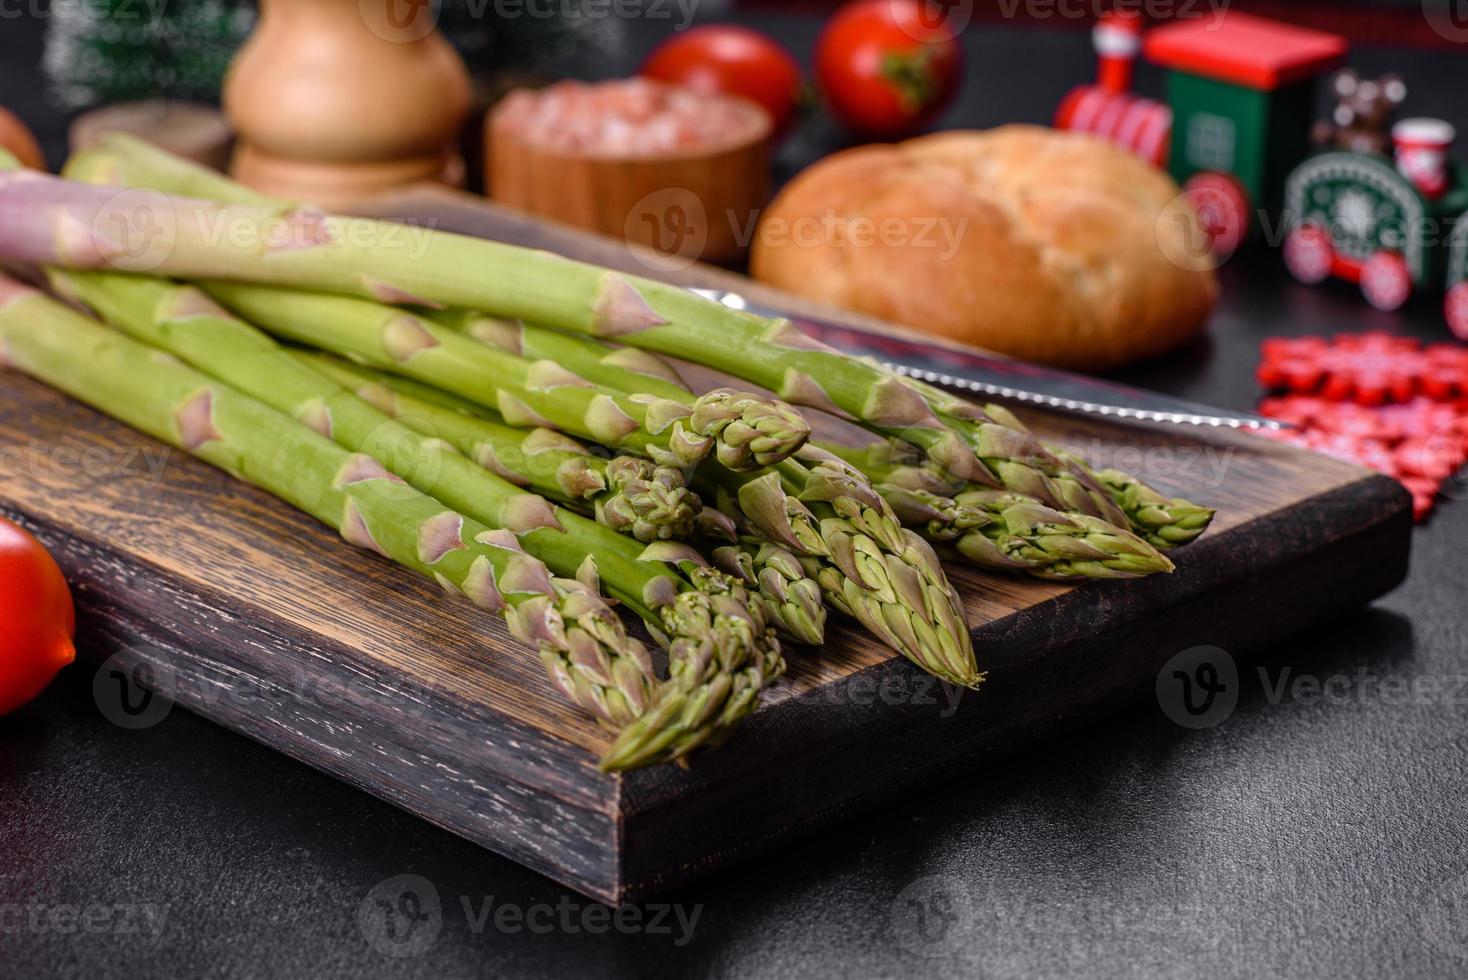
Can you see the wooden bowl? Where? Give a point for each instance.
(695, 202)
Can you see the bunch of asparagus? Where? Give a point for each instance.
(504, 421)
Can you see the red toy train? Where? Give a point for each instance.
(1233, 133)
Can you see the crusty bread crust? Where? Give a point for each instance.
(1047, 246)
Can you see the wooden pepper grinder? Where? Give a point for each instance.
(335, 101)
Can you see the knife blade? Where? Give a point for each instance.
(997, 377)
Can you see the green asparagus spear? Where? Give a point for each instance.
(723, 655)
(719, 658)
(963, 441)
(868, 565)
(627, 493)
(792, 598)
(627, 369)
(896, 586)
(1008, 531)
(1001, 529)
(124, 160)
(416, 390)
(993, 528)
(695, 613)
(1164, 522)
(121, 160)
(1045, 473)
(289, 247)
(744, 430)
(580, 639)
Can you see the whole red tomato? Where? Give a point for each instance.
(37, 621)
(729, 60)
(887, 68)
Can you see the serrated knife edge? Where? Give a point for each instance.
(1185, 413)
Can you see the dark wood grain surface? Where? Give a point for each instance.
(210, 585)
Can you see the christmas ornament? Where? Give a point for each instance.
(102, 51)
(1384, 402)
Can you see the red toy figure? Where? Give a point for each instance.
(1107, 108)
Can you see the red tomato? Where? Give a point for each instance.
(729, 60)
(887, 69)
(37, 621)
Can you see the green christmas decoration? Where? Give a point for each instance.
(583, 38)
(103, 51)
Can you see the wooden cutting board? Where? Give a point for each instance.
(252, 615)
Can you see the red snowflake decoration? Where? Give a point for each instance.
(1370, 368)
(1381, 401)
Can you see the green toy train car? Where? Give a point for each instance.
(1393, 226)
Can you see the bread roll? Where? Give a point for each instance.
(1046, 246)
